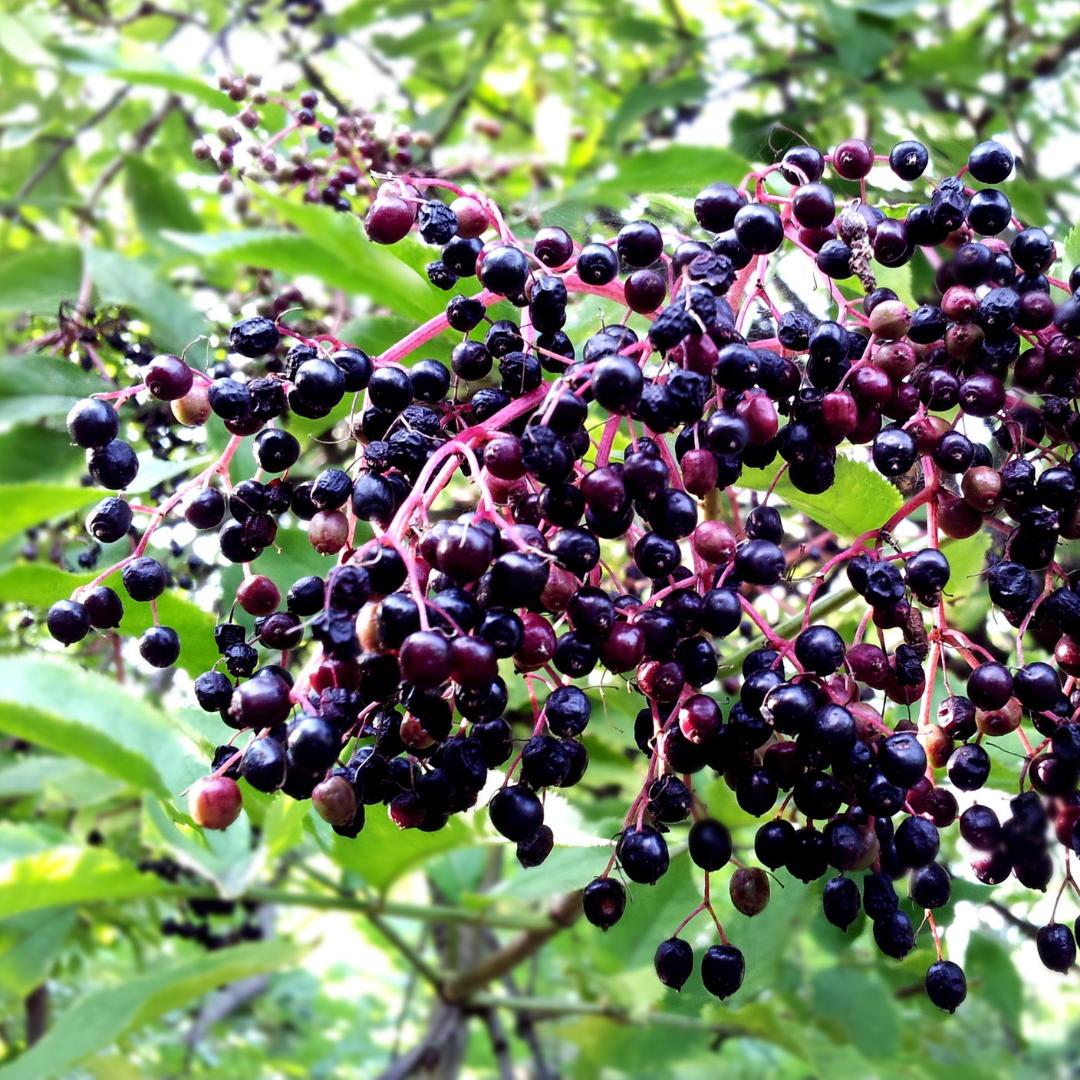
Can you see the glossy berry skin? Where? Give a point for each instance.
(603, 902)
(710, 844)
(969, 767)
(674, 962)
(946, 986)
(168, 378)
(215, 802)
(159, 646)
(990, 162)
(516, 812)
(92, 423)
(114, 465)
(990, 686)
(902, 759)
(503, 269)
(716, 206)
(639, 244)
(820, 649)
(643, 855)
(597, 264)
(1056, 946)
(894, 934)
(908, 160)
(758, 228)
(104, 608)
(841, 902)
(722, 970)
(68, 621)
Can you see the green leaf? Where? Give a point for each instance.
(967, 558)
(63, 876)
(386, 279)
(185, 85)
(157, 199)
(382, 853)
(104, 1016)
(89, 717)
(34, 386)
(676, 170)
(860, 500)
(29, 944)
(37, 453)
(134, 283)
(40, 280)
(1072, 252)
(988, 963)
(646, 98)
(226, 857)
(862, 1008)
(22, 506)
(39, 585)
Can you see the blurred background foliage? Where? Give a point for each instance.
(575, 111)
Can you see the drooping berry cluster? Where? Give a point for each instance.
(387, 688)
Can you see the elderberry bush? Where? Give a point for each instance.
(610, 539)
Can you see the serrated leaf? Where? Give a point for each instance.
(104, 1016)
(90, 717)
(860, 500)
(134, 283)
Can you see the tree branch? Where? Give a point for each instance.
(564, 913)
(66, 143)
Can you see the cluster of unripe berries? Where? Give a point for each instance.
(329, 159)
(398, 698)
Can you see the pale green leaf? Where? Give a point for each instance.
(62, 876)
(102, 1017)
(860, 500)
(40, 280)
(29, 944)
(90, 717)
(134, 283)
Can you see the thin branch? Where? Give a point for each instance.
(1029, 930)
(66, 143)
(563, 913)
(141, 140)
(500, 1044)
(518, 920)
(550, 1008)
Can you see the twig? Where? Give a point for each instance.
(563, 913)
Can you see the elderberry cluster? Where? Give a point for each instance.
(610, 538)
